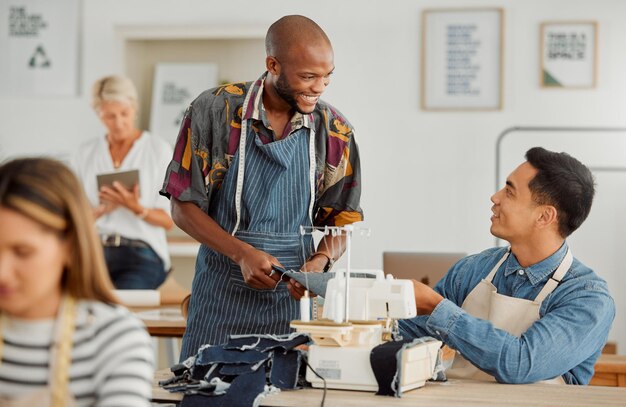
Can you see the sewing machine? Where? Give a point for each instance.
(350, 329)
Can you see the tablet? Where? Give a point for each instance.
(126, 178)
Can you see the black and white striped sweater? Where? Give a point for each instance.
(112, 357)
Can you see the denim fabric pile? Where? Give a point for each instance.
(241, 372)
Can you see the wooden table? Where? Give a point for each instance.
(610, 370)
(610, 347)
(453, 393)
(163, 321)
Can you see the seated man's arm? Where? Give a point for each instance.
(571, 333)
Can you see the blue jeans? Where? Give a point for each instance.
(134, 268)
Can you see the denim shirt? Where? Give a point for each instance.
(567, 340)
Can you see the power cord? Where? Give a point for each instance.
(306, 362)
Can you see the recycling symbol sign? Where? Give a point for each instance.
(39, 59)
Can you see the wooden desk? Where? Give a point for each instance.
(610, 347)
(449, 394)
(610, 370)
(163, 321)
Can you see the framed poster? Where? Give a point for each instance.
(568, 54)
(174, 88)
(39, 48)
(462, 59)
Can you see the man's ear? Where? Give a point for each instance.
(547, 216)
(272, 65)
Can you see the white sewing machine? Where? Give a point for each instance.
(341, 353)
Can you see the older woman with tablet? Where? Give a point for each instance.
(63, 339)
(122, 172)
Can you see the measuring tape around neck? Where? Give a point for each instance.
(242, 157)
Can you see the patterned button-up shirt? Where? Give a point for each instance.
(209, 138)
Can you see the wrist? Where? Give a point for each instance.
(436, 300)
(143, 213)
(329, 260)
(239, 251)
(431, 302)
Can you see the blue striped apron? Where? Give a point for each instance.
(270, 204)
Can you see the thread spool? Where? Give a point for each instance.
(338, 305)
(305, 307)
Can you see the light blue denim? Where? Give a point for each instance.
(567, 340)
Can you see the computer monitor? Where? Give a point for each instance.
(427, 267)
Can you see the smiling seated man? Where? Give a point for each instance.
(529, 312)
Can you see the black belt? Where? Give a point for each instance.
(117, 241)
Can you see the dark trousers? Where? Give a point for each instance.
(133, 268)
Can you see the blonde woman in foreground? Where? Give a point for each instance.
(63, 339)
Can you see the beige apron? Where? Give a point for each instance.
(513, 315)
(56, 394)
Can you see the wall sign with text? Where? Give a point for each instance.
(175, 86)
(568, 54)
(39, 48)
(462, 59)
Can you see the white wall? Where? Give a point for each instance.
(427, 176)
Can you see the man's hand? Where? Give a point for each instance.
(296, 289)
(256, 268)
(426, 299)
(315, 264)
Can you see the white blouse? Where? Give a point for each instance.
(151, 156)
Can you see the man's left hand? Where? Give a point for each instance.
(315, 264)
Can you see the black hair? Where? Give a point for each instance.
(563, 182)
